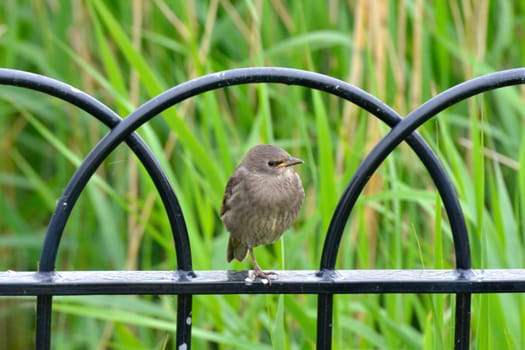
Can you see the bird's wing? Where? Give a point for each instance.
(233, 182)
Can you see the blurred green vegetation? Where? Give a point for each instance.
(127, 52)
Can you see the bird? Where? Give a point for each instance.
(262, 199)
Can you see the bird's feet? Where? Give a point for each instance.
(266, 277)
(258, 272)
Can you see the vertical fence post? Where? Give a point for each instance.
(43, 322)
(184, 321)
(325, 304)
(463, 314)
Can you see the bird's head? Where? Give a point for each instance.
(269, 159)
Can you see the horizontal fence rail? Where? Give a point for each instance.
(184, 282)
(288, 282)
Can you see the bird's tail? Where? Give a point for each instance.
(236, 250)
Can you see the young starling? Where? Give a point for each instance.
(261, 200)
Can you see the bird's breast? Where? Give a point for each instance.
(281, 191)
(264, 209)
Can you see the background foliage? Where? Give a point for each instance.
(127, 52)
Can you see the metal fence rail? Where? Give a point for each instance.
(325, 282)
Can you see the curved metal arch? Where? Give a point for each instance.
(402, 131)
(107, 116)
(245, 76)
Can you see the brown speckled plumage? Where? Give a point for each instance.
(261, 201)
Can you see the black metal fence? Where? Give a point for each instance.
(325, 282)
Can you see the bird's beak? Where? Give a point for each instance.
(289, 162)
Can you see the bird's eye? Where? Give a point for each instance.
(272, 163)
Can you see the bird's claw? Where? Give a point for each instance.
(266, 277)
